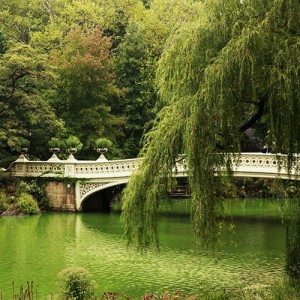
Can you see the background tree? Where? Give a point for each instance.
(45, 25)
(22, 20)
(218, 79)
(163, 18)
(135, 67)
(135, 62)
(25, 115)
(85, 86)
(112, 16)
(3, 44)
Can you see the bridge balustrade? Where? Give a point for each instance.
(245, 164)
(265, 165)
(75, 169)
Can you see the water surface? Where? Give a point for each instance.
(37, 248)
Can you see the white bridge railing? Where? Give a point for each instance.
(74, 168)
(247, 165)
(265, 165)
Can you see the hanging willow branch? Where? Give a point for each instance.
(218, 78)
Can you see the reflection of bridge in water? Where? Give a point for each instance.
(100, 175)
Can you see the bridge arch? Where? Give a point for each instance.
(85, 190)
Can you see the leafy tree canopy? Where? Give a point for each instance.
(135, 63)
(44, 24)
(49, 25)
(24, 82)
(18, 19)
(135, 67)
(85, 86)
(164, 17)
(217, 79)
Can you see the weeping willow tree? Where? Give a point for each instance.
(217, 78)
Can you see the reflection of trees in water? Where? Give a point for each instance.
(258, 254)
(95, 241)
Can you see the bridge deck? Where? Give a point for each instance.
(246, 165)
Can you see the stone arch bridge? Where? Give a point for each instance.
(94, 176)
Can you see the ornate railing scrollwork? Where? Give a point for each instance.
(84, 188)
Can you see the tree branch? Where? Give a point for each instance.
(259, 113)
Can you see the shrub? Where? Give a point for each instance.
(56, 143)
(76, 283)
(22, 187)
(103, 143)
(37, 190)
(26, 204)
(3, 202)
(73, 142)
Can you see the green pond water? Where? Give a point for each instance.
(37, 248)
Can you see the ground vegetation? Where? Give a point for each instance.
(76, 283)
(22, 197)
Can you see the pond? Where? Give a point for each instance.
(37, 248)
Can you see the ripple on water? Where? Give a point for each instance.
(117, 266)
(41, 248)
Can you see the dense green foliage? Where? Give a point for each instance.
(134, 67)
(81, 68)
(21, 203)
(217, 79)
(35, 188)
(24, 78)
(4, 201)
(76, 283)
(26, 204)
(23, 196)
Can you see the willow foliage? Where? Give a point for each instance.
(217, 79)
(293, 241)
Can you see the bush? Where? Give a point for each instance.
(22, 187)
(26, 204)
(56, 143)
(76, 283)
(37, 190)
(3, 202)
(73, 142)
(103, 143)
